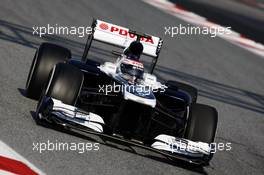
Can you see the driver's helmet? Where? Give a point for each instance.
(131, 70)
(134, 50)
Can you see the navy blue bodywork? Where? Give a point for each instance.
(128, 118)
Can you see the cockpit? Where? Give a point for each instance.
(131, 70)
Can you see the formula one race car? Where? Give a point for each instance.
(122, 100)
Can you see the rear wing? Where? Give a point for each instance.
(122, 37)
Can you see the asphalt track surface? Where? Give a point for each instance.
(228, 77)
(243, 18)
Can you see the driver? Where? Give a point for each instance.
(131, 70)
(130, 67)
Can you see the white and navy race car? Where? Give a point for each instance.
(122, 99)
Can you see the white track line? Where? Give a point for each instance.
(7, 152)
(197, 20)
(5, 173)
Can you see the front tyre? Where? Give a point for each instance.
(45, 58)
(201, 125)
(65, 83)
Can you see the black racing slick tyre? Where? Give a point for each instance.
(192, 91)
(65, 83)
(45, 58)
(202, 123)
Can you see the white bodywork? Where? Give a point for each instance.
(181, 146)
(71, 113)
(149, 81)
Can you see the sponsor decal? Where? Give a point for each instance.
(123, 32)
(103, 26)
(133, 62)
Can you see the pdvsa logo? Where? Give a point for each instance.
(103, 26)
(124, 32)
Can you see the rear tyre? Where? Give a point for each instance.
(192, 91)
(45, 58)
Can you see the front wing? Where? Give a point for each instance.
(71, 117)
